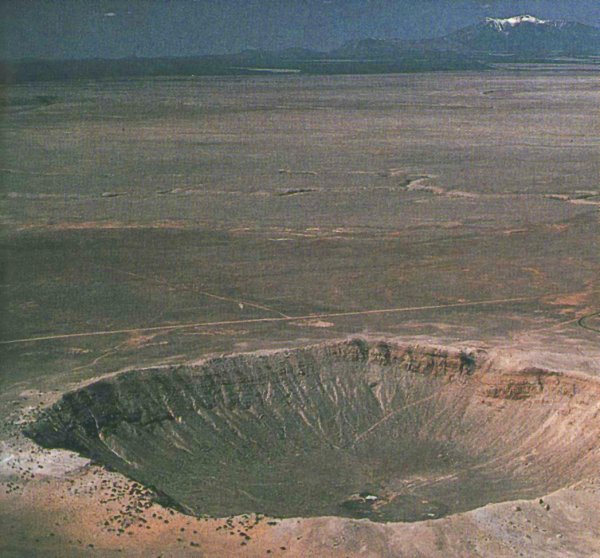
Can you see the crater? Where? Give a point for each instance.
(354, 428)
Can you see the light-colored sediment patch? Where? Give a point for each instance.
(509, 232)
(575, 299)
(579, 197)
(461, 194)
(138, 341)
(582, 300)
(230, 332)
(558, 227)
(313, 323)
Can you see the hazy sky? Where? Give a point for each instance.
(118, 28)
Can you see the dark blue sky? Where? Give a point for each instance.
(118, 28)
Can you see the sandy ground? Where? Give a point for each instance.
(90, 511)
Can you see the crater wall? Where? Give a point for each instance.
(355, 428)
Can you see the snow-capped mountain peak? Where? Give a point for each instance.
(507, 23)
(526, 35)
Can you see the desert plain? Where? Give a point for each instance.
(396, 275)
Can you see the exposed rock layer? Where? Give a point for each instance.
(353, 428)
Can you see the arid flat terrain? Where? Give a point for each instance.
(153, 223)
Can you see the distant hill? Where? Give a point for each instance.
(475, 47)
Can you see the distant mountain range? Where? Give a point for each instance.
(523, 38)
(526, 35)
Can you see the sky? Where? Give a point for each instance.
(124, 28)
